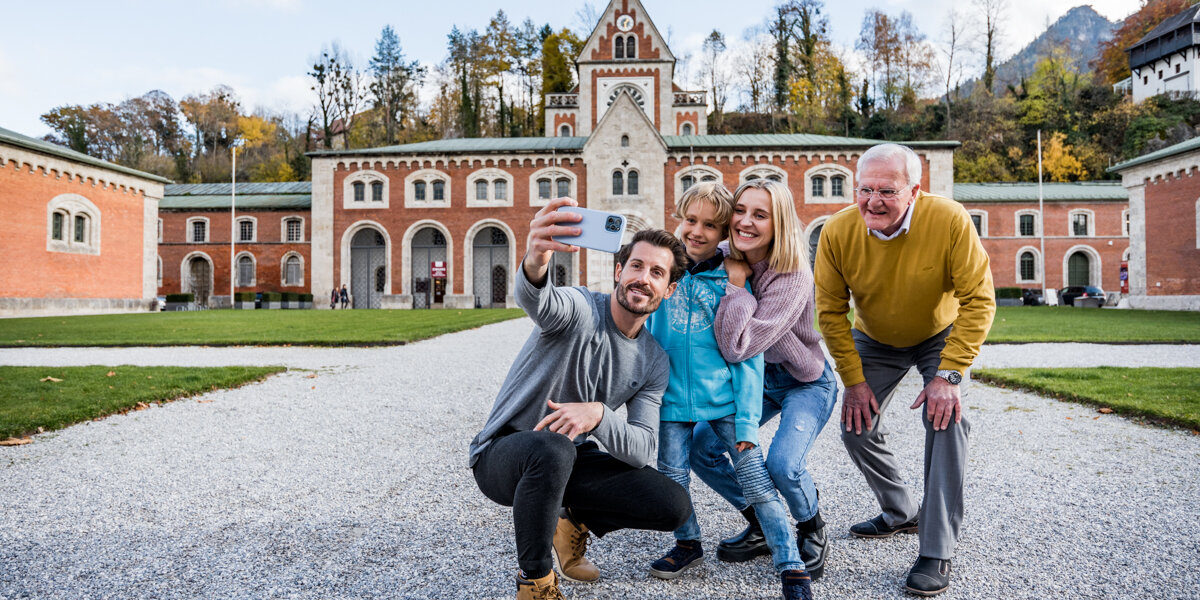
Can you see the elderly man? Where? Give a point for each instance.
(588, 356)
(923, 297)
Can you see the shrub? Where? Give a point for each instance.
(306, 297)
(244, 296)
(181, 298)
(1008, 292)
(271, 296)
(291, 296)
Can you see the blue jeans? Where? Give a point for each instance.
(804, 408)
(750, 471)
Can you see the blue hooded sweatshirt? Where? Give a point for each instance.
(702, 386)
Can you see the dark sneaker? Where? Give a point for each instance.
(814, 549)
(747, 545)
(797, 585)
(877, 528)
(928, 577)
(685, 555)
(542, 588)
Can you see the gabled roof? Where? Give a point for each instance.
(1170, 24)
(290, 194)
(469, 145)
(609, 16)
(1180, 148)
(1083, 191)
(23, 141)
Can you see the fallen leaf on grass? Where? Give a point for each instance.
(312, 376)
(41, 430)
(110, 374)
(141, 406)
(1105, 410)
(12, 441)
(50, 379)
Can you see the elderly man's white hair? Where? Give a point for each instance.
(912, 162)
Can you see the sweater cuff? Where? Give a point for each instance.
(851, 375)
(954, 365)
(746, 432)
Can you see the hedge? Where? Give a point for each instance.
(1008, 292)
(181, 298)
(271, 296)
(244, 296)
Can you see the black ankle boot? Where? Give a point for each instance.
(746, 545)
(813, 545)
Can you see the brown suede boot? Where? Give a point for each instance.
(570, 544)
(542, 588)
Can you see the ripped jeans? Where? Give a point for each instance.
(804, 408)
(750, 471)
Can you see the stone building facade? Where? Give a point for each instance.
(1164, 208)
(79, 232)
(270, 230)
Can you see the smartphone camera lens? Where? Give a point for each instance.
(612, 224)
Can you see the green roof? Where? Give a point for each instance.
(464, 145)
(674, 142)
(1052, 192)
(785, 140)
(23, 141)
(291, 194)
(1169, 151)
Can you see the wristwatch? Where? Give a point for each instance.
(950, 375)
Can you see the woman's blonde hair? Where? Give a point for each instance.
(715, 194)
(787, 252)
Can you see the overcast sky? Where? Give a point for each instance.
(87, 51)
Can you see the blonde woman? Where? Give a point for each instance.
(799, 386)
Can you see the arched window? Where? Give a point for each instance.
(481, 190)
(632, 183)
(619, 47)
(687, 129)
(501, 189)
(1028, 267)
(836, 184)
(419, 190)
(439, 190)
(245, 271)
(377, 191)
(360, 191)
(293, 271)
(293, 229)
(245, 228)
(686, 182)
(818, 186)
(631, 47)
(58, 220)
(624, 141)
(618, 187)
(564, 187)
(81, 227)
(543, 186)
(565, 131)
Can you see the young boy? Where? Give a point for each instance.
(705, 388)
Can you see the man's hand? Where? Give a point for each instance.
(738, 271)
(744, 446)
(940, 398)
(858, 404)
(572, 418)
(539, 246)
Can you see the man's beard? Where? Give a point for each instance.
(651, 304)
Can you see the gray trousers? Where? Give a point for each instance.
(940, 515)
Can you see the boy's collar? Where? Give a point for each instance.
(707, 264)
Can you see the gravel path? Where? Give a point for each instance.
(352, 484)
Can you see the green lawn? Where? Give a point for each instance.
(1066, 324)
(246, 327)
(1166, 395)
(84, 393)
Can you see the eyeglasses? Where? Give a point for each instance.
(884, 194)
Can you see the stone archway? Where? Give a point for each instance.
(368, 254)
(490, 267)
(199, 279)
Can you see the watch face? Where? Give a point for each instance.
(625, 22)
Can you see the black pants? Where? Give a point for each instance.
(537, 472)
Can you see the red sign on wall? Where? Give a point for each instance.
(437, 268)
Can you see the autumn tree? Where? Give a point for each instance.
(1113, 62)
(879, 41)
(394, 83)
(990, 16)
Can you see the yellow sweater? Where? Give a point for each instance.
(906, 289)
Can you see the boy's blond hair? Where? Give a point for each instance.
(788, 252)
(715, 194)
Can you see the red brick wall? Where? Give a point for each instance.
(687, 117)
(1172, 259)
(564, 119)
(604, 50)
(458, 218)
(268, 251)
(29, 270)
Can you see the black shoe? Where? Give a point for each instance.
(797, 585)
(813, 545)
(747, 545)
(877, 528)
(928, 577)
(684, 555)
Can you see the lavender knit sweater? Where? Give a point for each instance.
(777, 321)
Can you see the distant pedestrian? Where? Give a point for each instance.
(333, 299)
(345, 296)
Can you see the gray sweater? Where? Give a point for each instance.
(577, 354)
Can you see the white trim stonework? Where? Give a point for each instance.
(1037, 223)
(554, 174)
(983, 220)
(828, 171)
(253, 229)
(1091, 222)
(283, 229)
(366, 177)
(1037, 265)
(237, 269)
(428, 176)
(1095, 269)
(283, 270)
(71, 206)
(469, 258)
(189, 233)
(490, 176)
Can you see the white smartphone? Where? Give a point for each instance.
(601, 230)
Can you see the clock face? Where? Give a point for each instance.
(625, 22)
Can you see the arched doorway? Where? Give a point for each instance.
(490, 268)
(428, 246)
(368, 254)
(1079, 269)
(199, 279)
(813, 239)
(560, 269)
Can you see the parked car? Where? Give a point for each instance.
(1032, 297)
(160, 303)
(1069, 294)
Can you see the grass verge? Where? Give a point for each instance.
(1022, 324)
(30, 400)
(1165, 395)
(247, 327)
